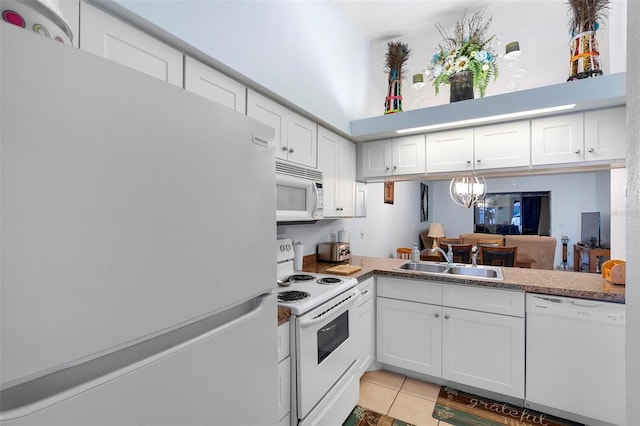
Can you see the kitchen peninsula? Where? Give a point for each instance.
(559, 283)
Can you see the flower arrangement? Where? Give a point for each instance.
(467, 50)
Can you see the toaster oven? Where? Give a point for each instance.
(333, 252)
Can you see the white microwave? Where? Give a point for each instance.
(299, 193)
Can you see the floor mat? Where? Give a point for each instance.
(464, 409)
(363, 417)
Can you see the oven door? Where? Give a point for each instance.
(325, 349)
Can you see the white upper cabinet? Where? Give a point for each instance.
(498, 146)
(593, 136)
(337, 161)
(113, 39)
(393, 157)
(450, 150)
(211, 84)
(296, 137)
(493, 146)
(556, 140)
(605, 134)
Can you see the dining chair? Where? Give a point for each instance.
(450, 241)
(493, 242)
(461, 252)
(403, 253)
(498, 256)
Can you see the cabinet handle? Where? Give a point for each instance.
(592, 150)
(284, 149)
(291, 151)
(395, 167)
(468, 161)
(578, 151)
(478, 161)
(386, 168)
(446, 317)
(437, 315)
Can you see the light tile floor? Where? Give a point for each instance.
(400, 397)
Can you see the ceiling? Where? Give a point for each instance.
(387, 19)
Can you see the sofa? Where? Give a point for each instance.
(542, 249)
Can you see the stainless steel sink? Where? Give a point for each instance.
(489, 272)
(476, 271)
(423, 267)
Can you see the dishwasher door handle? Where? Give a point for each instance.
(584, 304)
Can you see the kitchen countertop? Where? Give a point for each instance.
(559, 283)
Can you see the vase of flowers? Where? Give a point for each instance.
(468, 53)
(585, 18)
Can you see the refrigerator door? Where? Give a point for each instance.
(201, 379)
(127, 208)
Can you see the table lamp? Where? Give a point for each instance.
(436, 231)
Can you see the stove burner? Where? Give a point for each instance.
(329, 280)
(292, 296)
(299, 277)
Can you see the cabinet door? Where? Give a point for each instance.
(361, 199)
(483, 350)
(273, 115)
(501, 145)
(605, 134)
(211, 84)
(376, 158)
(409, 335)
(109, 37)
(366, 335)
(328, 158)
(450, 151)
(345, 185)
(284, 387)
(408, 155)
(302, 140)
(556, 140)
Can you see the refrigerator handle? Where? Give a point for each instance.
(39, 393)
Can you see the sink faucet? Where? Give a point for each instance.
(448, 257)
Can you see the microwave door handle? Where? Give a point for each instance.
(315, 201)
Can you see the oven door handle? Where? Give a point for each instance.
(333, 311)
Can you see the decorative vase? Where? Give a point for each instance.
(585, 57)
(461, 86)
(393, 101)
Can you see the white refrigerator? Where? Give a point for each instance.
(137, 224)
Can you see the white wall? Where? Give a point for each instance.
(571, 194)
(304, 51)
(386, 227)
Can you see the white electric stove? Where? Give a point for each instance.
(323, 340)
(303, 291)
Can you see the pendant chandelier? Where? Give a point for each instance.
(467, 191)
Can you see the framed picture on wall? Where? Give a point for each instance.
(388, 192)
(424, 202)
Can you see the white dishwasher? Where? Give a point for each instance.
(575, 358)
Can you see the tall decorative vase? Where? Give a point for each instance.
(393, 101)
(461, 86)
(585, 57)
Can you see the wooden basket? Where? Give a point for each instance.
(615, 271)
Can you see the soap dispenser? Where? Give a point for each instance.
(415, 253)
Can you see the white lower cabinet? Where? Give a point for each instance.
(463, 336)
(366, 326)
(409, 335)
(284, 374)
